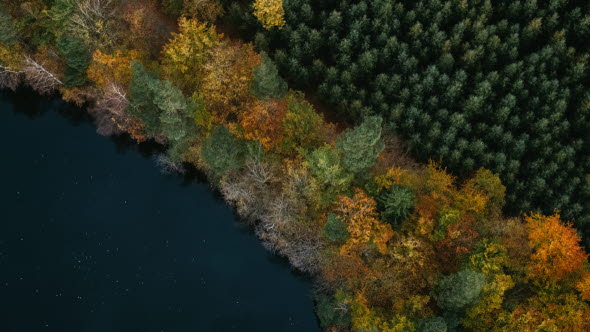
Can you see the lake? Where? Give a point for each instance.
(94, 237)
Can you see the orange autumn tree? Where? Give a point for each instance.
(262, 122)
(359, 213)
(557, 253)
(146, 30)
(110, 68)
(583, 286)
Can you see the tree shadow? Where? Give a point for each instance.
(33, 105)
(27, 102)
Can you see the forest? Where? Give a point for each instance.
(428, 174)
(496, 84)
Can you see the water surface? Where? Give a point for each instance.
(93, 237)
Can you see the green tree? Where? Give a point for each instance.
(177, 117)
(8, 32)
(143, 93)
(326, 165)
(76, 57)
(303, 127)
(222, 152)
(59, 15)
(458, 290)
(267, 83)
(329, 313)
(172, 7)
(397, 204)
(433, 324)
(361, 146)
(335, 229)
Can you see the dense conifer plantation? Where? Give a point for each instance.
(499, 84)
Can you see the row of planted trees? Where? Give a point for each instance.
(391, 248)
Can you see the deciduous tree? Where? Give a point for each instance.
(359, 213)
(262, 122)
(303, 127)
(226, 80)
(186, 53)
(106, 69)
(270, 13)
(556, 249)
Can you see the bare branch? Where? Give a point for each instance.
(9, 78)
(259, 170)
(39, 78)
(110, 111)
(92, 13)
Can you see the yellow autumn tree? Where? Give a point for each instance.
(270, 13)
(227, 76)
(186, 53)
(114, 67)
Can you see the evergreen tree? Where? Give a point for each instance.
(177, 117)
(433, 324)
(76, 57)
(397, 204)
(8, 32)
(328, 313)
(267, 83)
(335, 229)
(222, 152)
(361, 145)
(458, 290)
(143, 93)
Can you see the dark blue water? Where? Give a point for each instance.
(93, 237)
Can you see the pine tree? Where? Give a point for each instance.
(361, 145)
(267, 83)
(222, 152)
(335, 229)
(77, 58)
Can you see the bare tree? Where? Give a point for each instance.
(9, 78)
(109, 111)
(38, 77)
(203, 10)
(242, 196)
(168, 166)
(259, 169)
(93, 18)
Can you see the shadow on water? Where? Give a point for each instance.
(34, 106)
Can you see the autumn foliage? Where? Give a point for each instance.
(390, 248)
(270, 13)
(557, 253)
(359, 213)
